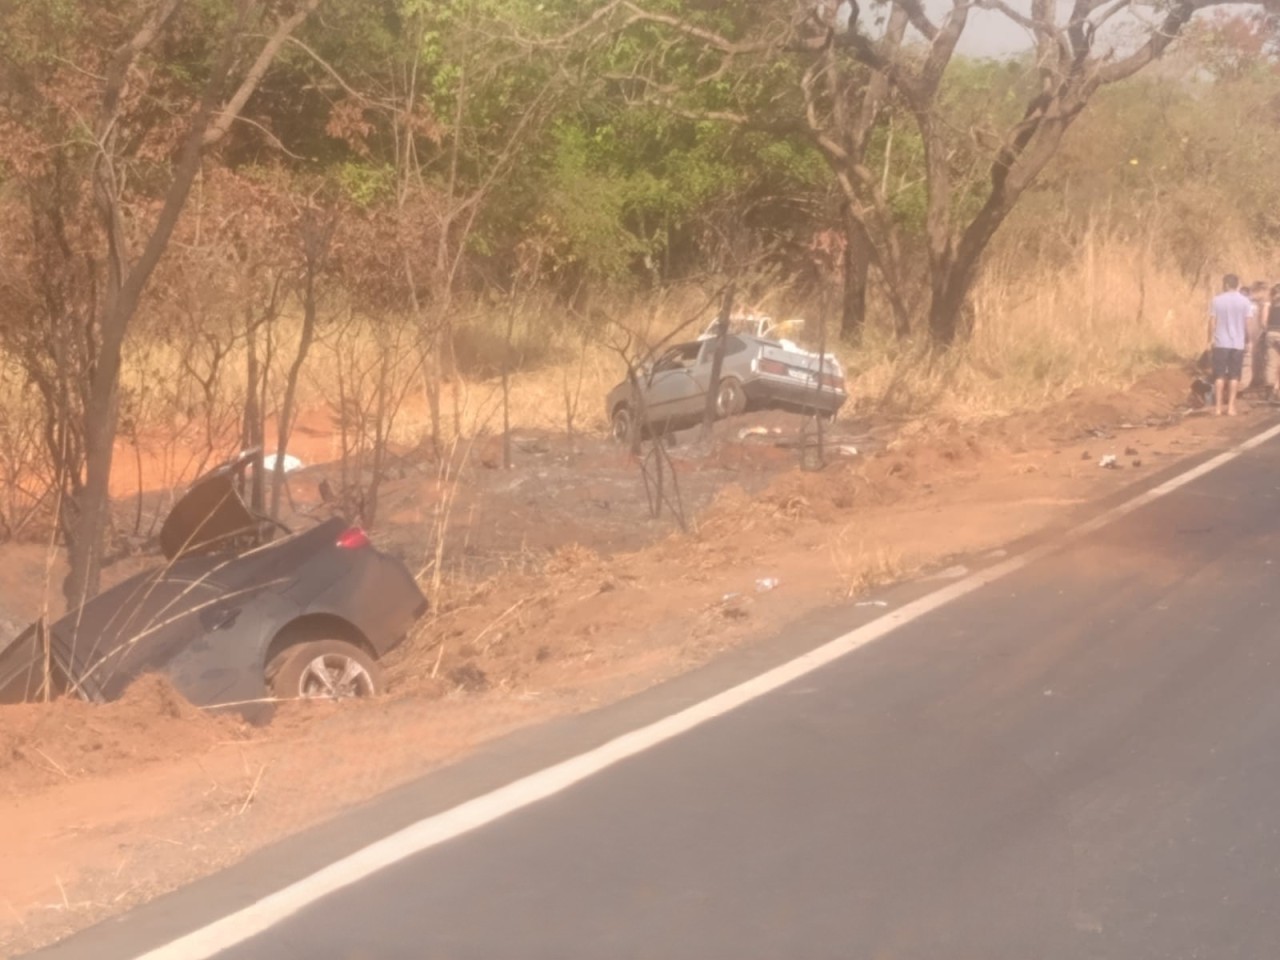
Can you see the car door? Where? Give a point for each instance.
(133, 629)
(696, 405)
(672, 392)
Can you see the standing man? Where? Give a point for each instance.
(1254, 345)
(1228, 334)
(1272, 346)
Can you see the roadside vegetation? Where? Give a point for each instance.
(442, 222)
(416, 242)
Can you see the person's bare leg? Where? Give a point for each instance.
(1232, 388)
(1217, 397)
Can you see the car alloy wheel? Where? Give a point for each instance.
(324, 670)
(334, 677)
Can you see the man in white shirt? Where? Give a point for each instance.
(1228, 335)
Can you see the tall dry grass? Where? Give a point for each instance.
(1042, 331)
(1102, 317)
(1111, 313)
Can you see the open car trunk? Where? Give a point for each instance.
(211, 515)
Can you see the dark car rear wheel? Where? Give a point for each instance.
(324, 670)
(621, 424)
(731, 399)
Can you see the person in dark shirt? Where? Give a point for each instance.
(1254, 372)
(1272, 344)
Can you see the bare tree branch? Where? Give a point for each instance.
(1180, 12)
(227, 115)
(124, 57)
(915, 13)
(347, 88)
(943, 48)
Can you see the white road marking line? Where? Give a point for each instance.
(235, 928)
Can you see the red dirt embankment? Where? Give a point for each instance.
(104, 807)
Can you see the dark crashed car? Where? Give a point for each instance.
(239, 616)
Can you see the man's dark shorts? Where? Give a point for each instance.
(1228, 364)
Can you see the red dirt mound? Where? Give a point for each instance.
(42, 745)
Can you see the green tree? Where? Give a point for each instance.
(676, 48)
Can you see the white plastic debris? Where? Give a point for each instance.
(291, 463)
(872, 603)
(1108, 462)
(765, 584)
(844, 14)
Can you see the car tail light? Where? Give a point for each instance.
(353, 538)
(775, 367)
(833, 380)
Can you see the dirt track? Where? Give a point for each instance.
(562, 604)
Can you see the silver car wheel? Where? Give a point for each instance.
(323, 670)
(620, 424)
(730, 399)
(335, 677)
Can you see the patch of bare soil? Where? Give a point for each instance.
(563, 593)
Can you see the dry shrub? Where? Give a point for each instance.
(801, 495)
(572, 558)
(861, 568)
(27, 474)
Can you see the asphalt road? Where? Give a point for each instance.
(1080, 760)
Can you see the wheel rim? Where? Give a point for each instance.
(728, 394)
(334, 677)
(621, 425)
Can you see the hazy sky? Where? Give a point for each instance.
(991, 34)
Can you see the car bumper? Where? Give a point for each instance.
(790, 395)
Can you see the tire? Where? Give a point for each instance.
(621, 424)
(731, 400)
(324, 670)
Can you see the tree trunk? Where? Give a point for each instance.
(717, 362)
(506, 384)
(94, 503)
(857, 266)
(953, 276)
(252, 428)
(946, 311)
(317, 250)
(85, 546)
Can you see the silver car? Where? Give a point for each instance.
(757, 373)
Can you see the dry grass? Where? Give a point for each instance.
(1042, 333)
(1100, 320)
(860, 568)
